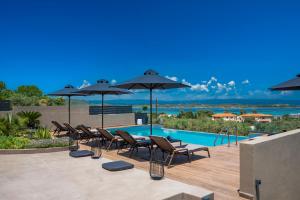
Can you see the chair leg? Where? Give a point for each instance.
(109, 145)
(208, 153)
(131, 150)
(172, 156)
(121, 146)
(189, 156)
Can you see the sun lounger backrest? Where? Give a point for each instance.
(55, 123)
(85, 130)
(162, 143)
(105, 134)
(70, 128)
(126, 136)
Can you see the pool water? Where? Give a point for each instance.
(191, 137)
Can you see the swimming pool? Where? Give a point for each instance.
(191, 137)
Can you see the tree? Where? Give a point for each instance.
(145, 108)
(29, 91)
(4, 92)
(204, 113)
(2, 85)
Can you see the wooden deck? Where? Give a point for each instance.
(220, 173)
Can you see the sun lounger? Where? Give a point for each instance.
(87, 133)
(112, 139)
(166, 147)
(134, 143)
(58, 127)
(74, 133)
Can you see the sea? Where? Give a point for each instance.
(279, 106)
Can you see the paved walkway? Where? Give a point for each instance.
(57, 176)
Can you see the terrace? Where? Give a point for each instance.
(220, 173)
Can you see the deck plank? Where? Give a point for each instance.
(220, 173)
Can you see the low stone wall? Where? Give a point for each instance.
(273, 160)
(33, 151)
(79, 115)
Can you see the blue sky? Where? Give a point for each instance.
(224, 49)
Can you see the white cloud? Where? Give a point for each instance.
(196, 87)
(186, 83)
(200, 87)
(113, 82)
(220, 87)
(84, 84)
(231, 83)
(245, 82)
(211, 80)
(173, 78)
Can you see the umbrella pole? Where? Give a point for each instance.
(150, 111)
(69, 109)
(102, 109)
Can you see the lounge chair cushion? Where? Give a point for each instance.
(117, 165)
(81, 153)
(193, 147)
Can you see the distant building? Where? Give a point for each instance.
(225, 117)
(258, 117)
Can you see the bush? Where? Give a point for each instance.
(12, 126)
(42, 133)
(32, 118)
(47, 143)
(205, 125)
(278, 125)
(186, 115)
(10, 142)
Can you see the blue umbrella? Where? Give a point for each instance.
(293, 84)
(67, 91)
(102, 87)
(151, 80)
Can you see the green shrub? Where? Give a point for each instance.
(205, 125)
(32, 118)
(47, 143)
(42, 133)
(186, 115)
(10, 142)
(278, 125)
(12, 125)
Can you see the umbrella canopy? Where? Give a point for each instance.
(67, 91)
(151, 80)
(102, 87)
(293, 84)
